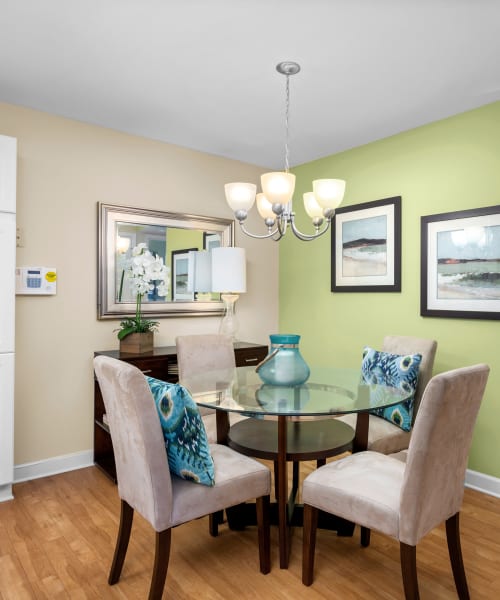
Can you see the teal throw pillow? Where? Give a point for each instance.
(186, 440)
(396, 371)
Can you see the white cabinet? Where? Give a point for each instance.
(8, 161)
(6, 425)
(7, 287)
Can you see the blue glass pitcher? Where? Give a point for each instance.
(284, 364)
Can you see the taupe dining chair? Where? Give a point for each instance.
(146, 485)
(386, 437)
(206, 352)
(406, 500)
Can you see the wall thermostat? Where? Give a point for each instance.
(41, 281)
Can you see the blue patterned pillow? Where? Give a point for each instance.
(186, 440)
(396, 371)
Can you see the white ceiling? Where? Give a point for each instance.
(201, 73)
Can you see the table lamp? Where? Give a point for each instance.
(229, 278)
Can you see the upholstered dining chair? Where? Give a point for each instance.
(406, 499)
(383, 436)
(146, 484)
(205, 352)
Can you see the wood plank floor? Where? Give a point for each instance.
(57, 539)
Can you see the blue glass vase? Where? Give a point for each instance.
(284, 364)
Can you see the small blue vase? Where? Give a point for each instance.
(284, 364)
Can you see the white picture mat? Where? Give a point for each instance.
(386, 210)
(456, 304)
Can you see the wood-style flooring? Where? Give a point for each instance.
(57, 539)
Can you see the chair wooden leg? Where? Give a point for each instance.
(455, 552)
(275, 464)
(264, 532)
(295, 478)
(162, 555)
(214, 520)
(126, 518)
(310, 524)
(408, 556)
(365, 537)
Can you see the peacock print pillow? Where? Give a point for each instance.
(188, 451)
(396, 371)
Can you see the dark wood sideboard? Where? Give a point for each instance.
(160, 363)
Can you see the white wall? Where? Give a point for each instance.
(64, 169)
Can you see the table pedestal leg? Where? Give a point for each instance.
(360, 442)
(222, 425)
(282, 487)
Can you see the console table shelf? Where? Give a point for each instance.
(160, 363)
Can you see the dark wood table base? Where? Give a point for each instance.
(283, 441)
(243, 515)
(305, 440)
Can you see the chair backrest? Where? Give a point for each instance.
(141, 459)
(404, 344)
(433, 485)
(204, 352)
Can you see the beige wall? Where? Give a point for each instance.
(64, 169)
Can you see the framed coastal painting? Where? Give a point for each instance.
(460, 264)
(366, 247)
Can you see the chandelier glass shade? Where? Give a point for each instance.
(274, 203)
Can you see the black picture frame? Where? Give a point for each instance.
(366, 247)
(460, 264)
(211, 240)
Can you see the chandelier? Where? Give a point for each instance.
(274, 204)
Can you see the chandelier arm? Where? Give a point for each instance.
(282, 223)
(308, 237)
(257, 236)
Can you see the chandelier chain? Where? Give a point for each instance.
(287, 118)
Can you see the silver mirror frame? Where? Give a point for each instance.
(108, 216)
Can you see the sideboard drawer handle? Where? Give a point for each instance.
(147, 371)
(251, 359)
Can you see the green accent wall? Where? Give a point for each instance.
(449, 165)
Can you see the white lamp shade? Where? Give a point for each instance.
(278, 187)
(240, 196)
(228, 270)
(329, 193)
(199, 271)
(264, 207)
(313, 209)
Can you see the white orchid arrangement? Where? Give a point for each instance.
(146, 271)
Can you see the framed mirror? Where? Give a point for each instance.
(169, 235)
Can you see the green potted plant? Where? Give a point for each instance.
(146, 272)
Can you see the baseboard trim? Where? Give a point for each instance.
(53, 466)
(482, 483)
(79, 460)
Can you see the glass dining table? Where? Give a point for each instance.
(290, 423)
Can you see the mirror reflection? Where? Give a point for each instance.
(171, 236)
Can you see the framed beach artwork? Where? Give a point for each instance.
(366, 247)
(460, 264)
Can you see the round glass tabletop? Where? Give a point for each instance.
(328, 391)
